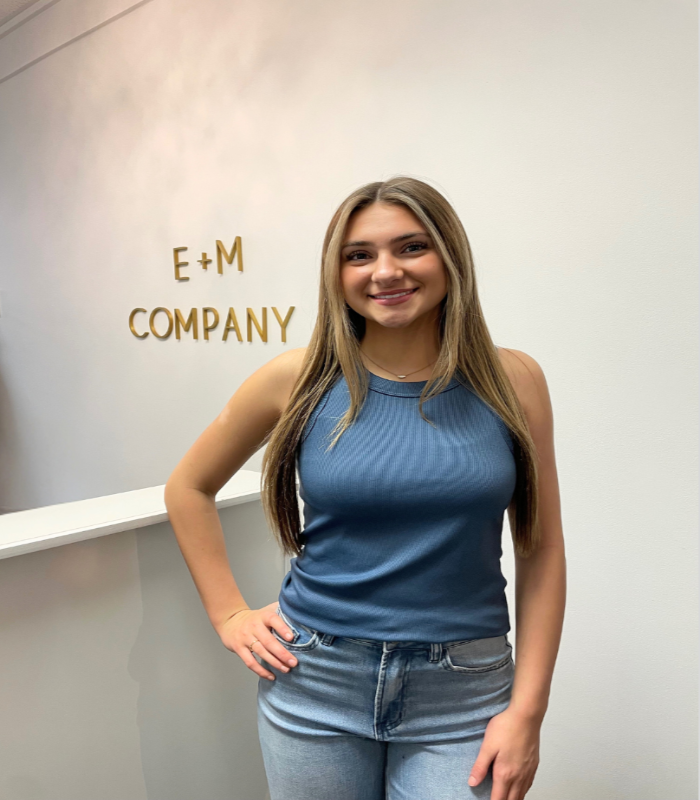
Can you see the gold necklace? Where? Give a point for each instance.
(393, 373)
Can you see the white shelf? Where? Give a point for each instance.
(51, 526)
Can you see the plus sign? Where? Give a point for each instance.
(204, 261)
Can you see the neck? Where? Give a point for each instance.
(401, 350)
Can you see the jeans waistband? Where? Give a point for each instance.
(436, 650)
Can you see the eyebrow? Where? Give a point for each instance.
(391, 241)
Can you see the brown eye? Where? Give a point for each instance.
(350, 256)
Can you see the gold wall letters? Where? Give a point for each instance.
(251, 320)
(210, 316)
(205, 320)
(232, 324)
(131, 323)
(178, 263)
(283, 322)
(191, 323)
(236, 250)
(210, 321)
(151, 321)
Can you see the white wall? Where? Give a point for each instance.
(565, 133)
(113, 684)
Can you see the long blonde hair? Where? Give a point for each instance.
(466, 347)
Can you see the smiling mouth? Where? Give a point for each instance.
(391, 295)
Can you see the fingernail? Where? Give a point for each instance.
(472, 780)
(291, 661)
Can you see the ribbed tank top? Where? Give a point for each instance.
(403, 520)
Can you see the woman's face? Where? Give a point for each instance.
(387, 251)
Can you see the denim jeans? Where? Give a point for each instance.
(360, 719)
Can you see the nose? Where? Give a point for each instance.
(386, 267)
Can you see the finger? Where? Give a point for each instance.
(251, 662)
(276, 622)
(274, 652)
(517, 791)
(500, 789)
(504, 779)
(481, 765)
(527, 784)
(273, 644)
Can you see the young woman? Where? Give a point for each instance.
(385, 664)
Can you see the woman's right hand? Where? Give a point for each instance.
(244, 627)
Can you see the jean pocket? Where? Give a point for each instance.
(303, 638)
(478, 655)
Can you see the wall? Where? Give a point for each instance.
(113, 684)
(566, 136)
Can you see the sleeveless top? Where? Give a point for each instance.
(403, 520)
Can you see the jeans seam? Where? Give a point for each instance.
(379, 694)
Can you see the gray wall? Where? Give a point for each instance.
(113, 684)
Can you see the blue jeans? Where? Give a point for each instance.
(360, 719)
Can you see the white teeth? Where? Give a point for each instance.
(389, 296)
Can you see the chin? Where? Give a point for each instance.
(394, 322)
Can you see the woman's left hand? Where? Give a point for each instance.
(512, 742)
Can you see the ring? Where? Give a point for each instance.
(250, 646)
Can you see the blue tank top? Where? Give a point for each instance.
(403, 520)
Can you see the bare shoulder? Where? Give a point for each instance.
(276, 378)
(240, 429)
(526, 376)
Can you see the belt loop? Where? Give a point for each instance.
(435, 651)
(328, 639)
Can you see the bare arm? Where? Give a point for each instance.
(512, 737)
(540, 580)
(231, 439)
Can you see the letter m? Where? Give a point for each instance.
(236, 252)
(190, 322)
